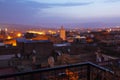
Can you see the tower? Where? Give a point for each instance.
(62, 33)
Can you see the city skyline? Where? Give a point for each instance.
(60, 12)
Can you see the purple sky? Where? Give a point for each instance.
(59, 12)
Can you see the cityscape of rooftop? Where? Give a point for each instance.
(59, 40)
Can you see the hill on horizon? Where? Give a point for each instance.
(58, 26)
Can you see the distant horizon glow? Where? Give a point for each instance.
(59, 12)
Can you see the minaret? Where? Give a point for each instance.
(62, 33)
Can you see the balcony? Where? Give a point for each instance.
(81, 71)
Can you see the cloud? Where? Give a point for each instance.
(17, 5)
(70, 4)
(111, 1)
(24, 11)
(66, 4)
(61, 1)
(14, 11)
(32, 12)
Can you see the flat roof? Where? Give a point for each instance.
(31, 41)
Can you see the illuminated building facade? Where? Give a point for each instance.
(63, 33)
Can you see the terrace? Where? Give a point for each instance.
(80, 71)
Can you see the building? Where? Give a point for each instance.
(62, 33)
(42, 47)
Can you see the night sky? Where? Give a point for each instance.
(37, 12)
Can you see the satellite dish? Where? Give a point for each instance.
(51, 61)
(34, 51)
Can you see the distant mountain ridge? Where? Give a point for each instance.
(57, 26)
(20, 27)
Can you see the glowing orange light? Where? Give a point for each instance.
(14, 44)
(36, 32)
(52, 32)
(19, 34)
(11, 42)
(9, 37)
